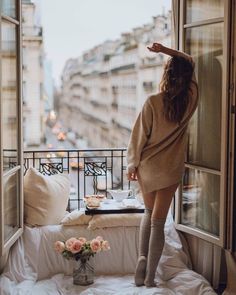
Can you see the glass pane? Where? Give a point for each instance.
(11, 204)
(9, 8)
(205, 44)
(9, 95)
(198, 10)
(200, 201)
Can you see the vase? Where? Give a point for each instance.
(83, 273)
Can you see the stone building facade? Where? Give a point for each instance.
(33, 77)
(103, 90)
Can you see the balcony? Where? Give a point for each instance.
(91, 171)
(32, 31)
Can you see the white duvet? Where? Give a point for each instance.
(33, 268)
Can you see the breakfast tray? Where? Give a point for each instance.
(112, 207)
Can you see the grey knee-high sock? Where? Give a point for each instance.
(144, 235)
(144, 232)
(156, 244)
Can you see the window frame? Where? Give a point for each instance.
(223, 172)
(231, 204)
(5, 246)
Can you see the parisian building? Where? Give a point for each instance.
(104, 89)
(33, 76)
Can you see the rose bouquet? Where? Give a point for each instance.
(80, 248)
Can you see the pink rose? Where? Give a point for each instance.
(99, 238)
(59, 246)
(76, 246)
(95, 245)
(82, 240)
(70, 242)
(105, 245)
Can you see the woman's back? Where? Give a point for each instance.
(163, 155)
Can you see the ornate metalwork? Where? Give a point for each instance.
(50, 168)
(106, 165)
(12, 164)
(95, 184)
(95, 169)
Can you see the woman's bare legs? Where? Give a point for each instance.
(162, 202)
(161, 205)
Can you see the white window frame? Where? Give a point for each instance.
(224, 171)
(5, 246)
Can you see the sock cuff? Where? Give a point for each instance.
(158, 221)
(147, 211)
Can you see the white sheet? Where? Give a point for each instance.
(34, 268)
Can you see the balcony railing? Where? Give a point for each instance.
(91, 171)
(32, 31)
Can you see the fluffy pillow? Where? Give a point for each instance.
(114, 220)
(45, 197)
(76, 217)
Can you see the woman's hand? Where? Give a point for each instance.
(156, 47)
(132, 176)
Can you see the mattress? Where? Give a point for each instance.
(35, 268)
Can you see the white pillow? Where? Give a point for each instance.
(45, 197)
(76, 217)
(115, 220)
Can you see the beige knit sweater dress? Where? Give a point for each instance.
(157, 147)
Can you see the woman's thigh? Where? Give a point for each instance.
(162, 201)
(149, 199)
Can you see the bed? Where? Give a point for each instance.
(34, 268)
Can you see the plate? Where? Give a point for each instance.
(130, 203)
(92, 208)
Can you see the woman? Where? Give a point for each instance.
(156, 154)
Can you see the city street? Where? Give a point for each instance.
(84, 184)
(51, 139)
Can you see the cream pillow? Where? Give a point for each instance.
(45, 197)
(76, 217)
(114, 220)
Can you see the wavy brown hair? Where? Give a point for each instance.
(175, 85)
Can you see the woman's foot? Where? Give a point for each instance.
(150, 284)
(140, 271)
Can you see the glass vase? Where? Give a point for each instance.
(83, 273)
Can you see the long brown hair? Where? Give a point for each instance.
(175, 85)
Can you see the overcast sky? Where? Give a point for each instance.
(73, 26)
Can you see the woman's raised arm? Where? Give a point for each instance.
(157, 47)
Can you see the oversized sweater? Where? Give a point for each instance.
(157, 146)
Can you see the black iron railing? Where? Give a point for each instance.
(91, 171)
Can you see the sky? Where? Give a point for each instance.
(72, 26)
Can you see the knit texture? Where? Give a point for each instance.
(156, 244)
(157, 146)
(144, 235)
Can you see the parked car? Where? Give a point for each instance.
(74, 164)
(61, 136)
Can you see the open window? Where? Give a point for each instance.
(11, 165)
(204, 32)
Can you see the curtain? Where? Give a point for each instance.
(174, 24)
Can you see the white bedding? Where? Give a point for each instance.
(34, 268)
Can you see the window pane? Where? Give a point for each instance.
(9, 8)
(11, 204)
(205, 44)
(200, 201)
(198, 10)
(9, 95)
